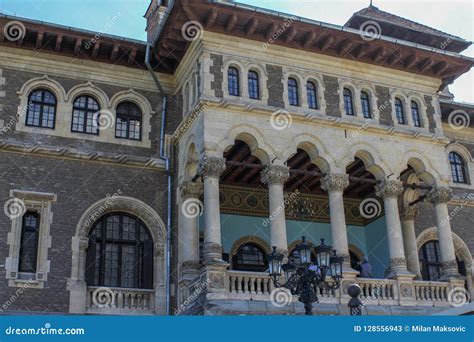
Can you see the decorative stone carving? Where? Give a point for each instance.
(216, 280)
(335, 182)
(211, 166)
(159, 250)
(440, 195)
(406, 290)
(389, 188)
(83, 244)
(190, 265)
(409, 213)
(275, 174)
(449, 267)
(397, 263)
(190, 190)
(212, 249)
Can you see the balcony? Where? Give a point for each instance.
(119, 301)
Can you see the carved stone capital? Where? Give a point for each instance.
(211, 166)
(335, 182)
(449, 269)
(83, 244)
(409, 213)
(190, 265)
(190, 190)
(389, 188)
(159, 250)
(275, 174)
(440, 195)
(212, 251)
(398, 263)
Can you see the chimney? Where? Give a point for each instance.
(153, 16)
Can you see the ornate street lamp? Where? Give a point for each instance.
(304, 278)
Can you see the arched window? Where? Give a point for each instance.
(41, 109)
(29, 242)
(365, 102)
(254, 89)
(129, 121)
(233, 80)
(399, 112)
(348, 104)
(415, 114)
(84, 115)
(312, 95)
(458, 168)
(355, 260)
(430, 263)
(293, 96)
(250, 257)
(120, 253)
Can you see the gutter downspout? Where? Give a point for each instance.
(166, 159)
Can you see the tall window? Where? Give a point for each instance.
(29, 242)
(41, 109)
(348, 104)
(254, 91)
(129, 121)
(85, 115)
(293, 96)
(399, 112)
(120, 253)
(430, 260)
(233, 80)
(458, 168)
(415, 114)
(365, 102)
(250, 257)
(312, 96)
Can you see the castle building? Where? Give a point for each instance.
(154, 178)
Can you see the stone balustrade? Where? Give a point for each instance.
(104, 300)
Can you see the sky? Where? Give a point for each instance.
(125, 18)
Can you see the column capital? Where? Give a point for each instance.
(409, 213)
(211, 166)
(440, 195)
(389, 188)
(191, 190)
(83, 244)
(275, 174)
(335, 182)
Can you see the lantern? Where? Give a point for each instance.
(323, 254)
(304, 250)
(274, 263)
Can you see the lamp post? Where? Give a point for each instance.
(304, 278)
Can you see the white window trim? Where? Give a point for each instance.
(462, 151)
(41, 202)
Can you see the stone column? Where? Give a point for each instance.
(211, 168)
(409, 240)
(275, 176)
(335, 184)
(188, 242)
(440, 197)
(389, 191)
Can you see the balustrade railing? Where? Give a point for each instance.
(105, 300)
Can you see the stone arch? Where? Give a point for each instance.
(43, 82)
(89, 89)
(240, 68)
(116, 203)
(371, 158)
(424, 170)
(132, 96)
(249, 239)
(421, 108)
(462, 150)
(356, 250)
(315, 149)
(344, 83)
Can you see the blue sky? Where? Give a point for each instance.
(125, 17)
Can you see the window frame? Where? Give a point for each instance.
(365, 105)
(312, 93)
(293, 92)
(427, 264)
(129, 117)
(458, 168)
(253, 85)
(348, 98)
(238, 266)
(86, 112)
(415, 113)
(233, 81)
(42, 104)
(22, 234)
(400, 111)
